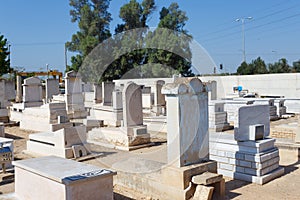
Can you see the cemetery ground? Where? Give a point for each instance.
(285, 187)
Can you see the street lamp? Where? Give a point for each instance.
(243, 33)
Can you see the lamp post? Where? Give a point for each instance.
(243, 33)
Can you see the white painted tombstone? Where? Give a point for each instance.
(187, 121)
(147, 97)
(212, 88)
(52, 88)
(19, 89)
(107, 89)
(132, 105)
(32, 92)
(74, 96)
(133, 133)
(251, 118)
(159, 98)
(3, 103)
(97, 93)
(52, 177)
(2, 93)
(117, 100)
(58, 143)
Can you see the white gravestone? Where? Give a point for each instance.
(249, 116)
(187, 121)
(52, 88)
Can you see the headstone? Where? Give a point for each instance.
(74, 96)
(58, 143)
(52, 88)
(187, 121)
(147, 97)
(117, 100)
(97, 93)
(132, 105)
(2, 94)
(107, 89)
(19, 89)
(32, 92)
(217, 116)
(159, 98)
(250, 116)
(10, 90)
(212, 88)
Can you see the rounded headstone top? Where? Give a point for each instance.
(72, 74)
(184, 85)
(32, 81)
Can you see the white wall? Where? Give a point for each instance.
(287, 84)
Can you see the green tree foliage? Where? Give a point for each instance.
(4, 56)
(257, 66)
(281, 66)
(296, 66)
(150, 62)
(134, 51)
(93, 21)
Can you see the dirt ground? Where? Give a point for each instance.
(285, 187)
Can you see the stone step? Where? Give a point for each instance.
(207, 178)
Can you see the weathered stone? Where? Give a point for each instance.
(203, 192)
(207, 178)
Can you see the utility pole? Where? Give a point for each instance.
(66, 59)
(243, 34)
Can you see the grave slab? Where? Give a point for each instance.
(59, 178)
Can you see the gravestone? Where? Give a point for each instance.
(187, 121)
(212, 88)
(97, 93)
(74, 96)
(32, 92)
(133, 133)
(3, 103)
(217, 116)
(147, 97)
(58, 143)
(57, 178)
(249, 116)
(117, 100)
(159, 98)
(52, 88)
(19, 89)
(107, 89)
(132, 105)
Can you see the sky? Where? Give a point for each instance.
(37, 30)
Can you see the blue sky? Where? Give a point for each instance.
(37, 30)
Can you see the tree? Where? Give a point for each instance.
(296, 66)
(4, 56)
(281, 66)
(245, 69)
(93, 21)
(150, 62)
(256, 66)
(259, 66)
(174, 19)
